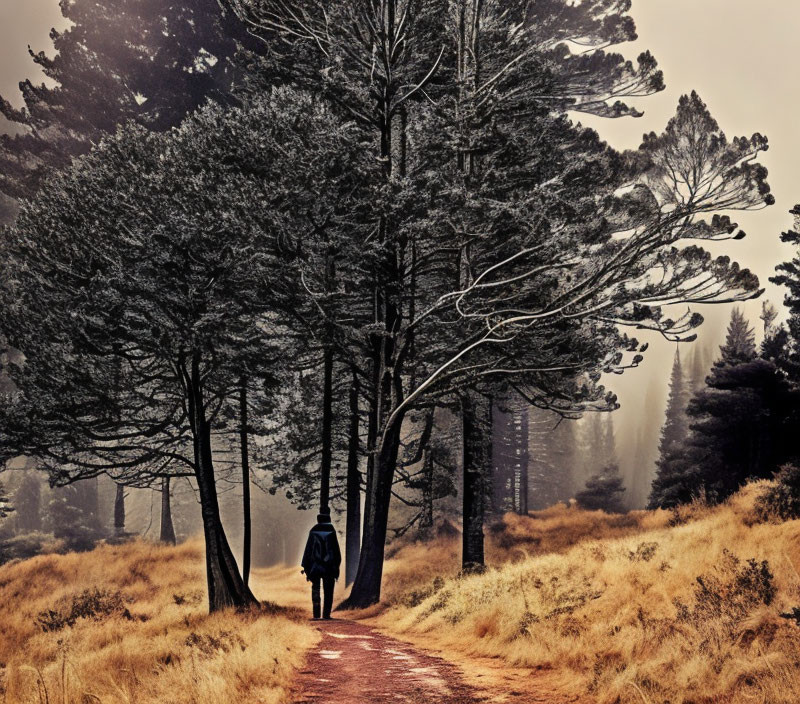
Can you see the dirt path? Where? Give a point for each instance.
(354, 664)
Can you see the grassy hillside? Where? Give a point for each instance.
(652, 607)
(129, 624)
(645, 608)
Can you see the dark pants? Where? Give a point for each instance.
(327, 587)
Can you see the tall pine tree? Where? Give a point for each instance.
(675, 430)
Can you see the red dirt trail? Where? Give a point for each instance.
(354, 664)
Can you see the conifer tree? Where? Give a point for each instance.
(152, 61)
(594, 450)
(603, 491)
(439, 328)
(675, 431)
(93, 283)
(609, 452)
(741, 425)
(788, 276)
(552, 457)
(696, 377)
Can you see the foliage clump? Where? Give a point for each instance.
(781, 501)
(96, 604)
(728, 595)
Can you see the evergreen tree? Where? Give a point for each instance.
(185, 338)
(788, 276)
(545, 478)
(741, 425)
(675, 431)
(608, 456)
(564, 455)
(597, 448)
(73, 515)
(152, 61)
(696, 378)
(603, 491)
(740, 341)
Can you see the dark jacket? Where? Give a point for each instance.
(322, 557)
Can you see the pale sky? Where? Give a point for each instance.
(741, 56)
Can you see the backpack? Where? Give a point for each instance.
(322, 554)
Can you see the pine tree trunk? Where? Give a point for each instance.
(167, 529)
(367, 585)
(92, 503)
(247, 532)
(522, 450)
(226, 588)
(502, 462)
(327, 431)
(426, 519)
(119, 511)
(353, 529)
(366, 588)
(475, 461)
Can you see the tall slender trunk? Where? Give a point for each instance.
(384, 451)
(475, 463)
(119, 511)
(247, 532)
(523, 453)
(167, 528)
(327, 430)
(367, 586)
(353, 530)
(426, 517)
(225, 585)
(92, 503)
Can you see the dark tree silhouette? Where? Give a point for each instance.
(152, 61)
(741, 425)
(675, 432)
(603, 491)
(96, 284)
(497, 296)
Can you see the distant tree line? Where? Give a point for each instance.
(741, 422)
(345, 249)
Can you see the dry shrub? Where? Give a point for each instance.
(636, 608)
(129, 623)
(780, 500)
(90, 603)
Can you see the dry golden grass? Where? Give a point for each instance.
(151, 638)
(606, 608)
(613, 603)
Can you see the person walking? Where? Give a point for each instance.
(321, 562)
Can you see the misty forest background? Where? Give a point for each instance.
(362, 254)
